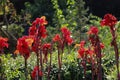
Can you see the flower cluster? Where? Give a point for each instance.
(23, 46)
(84, 51)
(93, 30)
(66, 37)
(3, 43)
(38, 31)
(57, 38)
(109, 20)
(46, 47)
(38, 27)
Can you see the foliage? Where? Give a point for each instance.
(16, 30)
(13, 68)
(60, 13)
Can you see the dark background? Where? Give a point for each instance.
(101, 7)
(97, 7)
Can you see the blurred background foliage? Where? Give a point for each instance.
(16, 21)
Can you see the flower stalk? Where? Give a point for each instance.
(99, 61)
(110, 21)
(95, 42)
(26, 72)
(84, 64)
(114, 44)
(49, 68)
(59, 64)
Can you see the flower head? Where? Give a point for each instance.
(93, 30)
(42, 32)
(40, 21)
(57, 38)
(82, 43)
(38, 27)
(82, 49)
(23, 46)
(102, 46)
(3, 43)
(81, 52)
(65, 31)
(90, 52)
(66, 35)
(109, 20)
(35, 47)
(32, 30)
(46, 47)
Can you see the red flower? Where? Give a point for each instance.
(65, 31)
(32, 30)
(102, 45)
(93, 30)
(23, 46)
(35, 47)
(40, 21)
(69, 40)
(57, 38)
(90, 52)
(81, 52)
(82, 43)
(109, 20)
(66, 35)
(46, 47)
(34, 73)
(42, 32)
(3, 43)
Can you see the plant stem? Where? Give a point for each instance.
(92, 70)
(114, 43)
(38, 66)
(49, 69)
(59, 63)
(117, 58)
(26, 73)
(41, 63)
(99, 58)
(85, 57)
